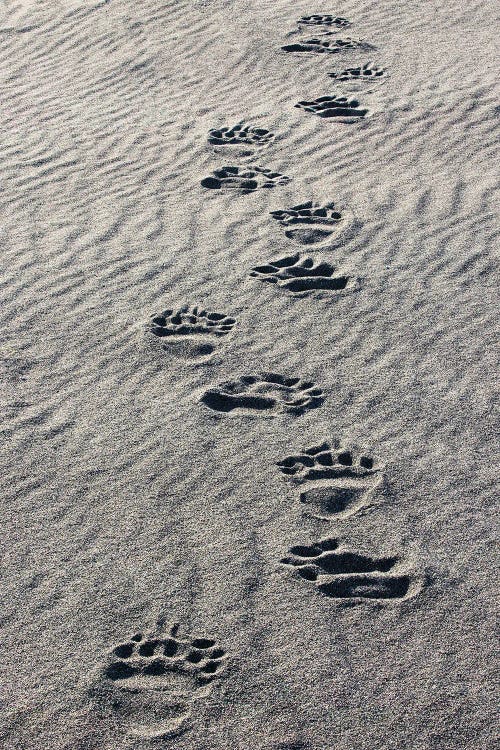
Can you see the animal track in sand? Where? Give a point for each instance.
(342, 108)
(244, 179)
(240, 135)
(152, 683)
(313, 224)
(337, 480)
(188, 330)
(318, 19)
(301, 276)
(367, 72)
(341, 574)
(264, 393)
(326, 44)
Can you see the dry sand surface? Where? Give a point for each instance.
(247, 375)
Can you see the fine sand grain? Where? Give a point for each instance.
(247, 374)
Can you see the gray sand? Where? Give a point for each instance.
(158, 478)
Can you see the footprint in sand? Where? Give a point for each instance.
(244, 179)
(341, 574)
(340, 108)
(190, 331)
(326, 44)
(337, 481)
(367, 73)
(265, 393)
(299, 276)
(242, 138)
(314, 224)
(151, 684)
(318, 19)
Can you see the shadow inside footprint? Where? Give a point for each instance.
(366, 587)
(225, 402)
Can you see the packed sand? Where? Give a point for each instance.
(247, 375)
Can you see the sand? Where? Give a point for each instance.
(248, 426)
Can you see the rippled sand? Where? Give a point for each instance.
(247, 375)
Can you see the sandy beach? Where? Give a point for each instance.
(248, 375)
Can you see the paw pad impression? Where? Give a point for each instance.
(187, 321)
(341, 108)
(318, 19)
(244, 179)
(264, 392)
(342, 574)
(240, 135)
(151, 684)
(337, 481)
(312, 223)
(367, 72)
(190, 331)
(326, 45)
(297, 275)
